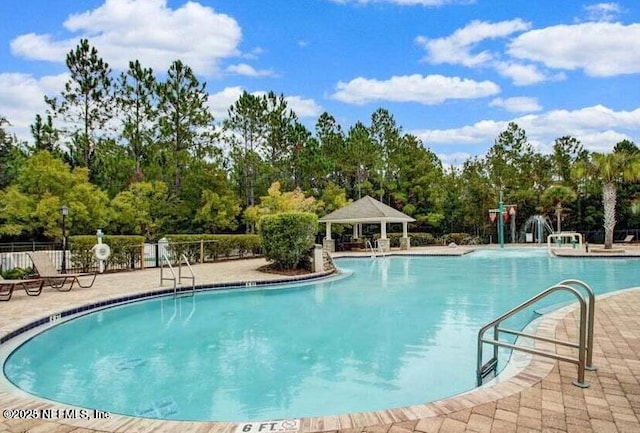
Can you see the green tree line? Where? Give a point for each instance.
(135, 154)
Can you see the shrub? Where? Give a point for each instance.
(17, 273)
(417, 239)
(287, 236)
(125, 251)
(214, 246)
(458, 238)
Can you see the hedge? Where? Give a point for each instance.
(460, 239)
(417, 239)
(213, 247)
(125, 251)
(286, 237)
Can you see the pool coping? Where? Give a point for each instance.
(536, 369)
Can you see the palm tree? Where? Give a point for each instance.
(611, 169)
(557, 195)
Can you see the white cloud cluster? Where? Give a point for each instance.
(21, 98)
(600, 49)
(461, 48)
(147, 30)
(249, 71)
(457, 48)
(519, 104)
(521, 74)
(430, 89)
(603, 11)
(598, 127)
(220, 102)
(407, 2)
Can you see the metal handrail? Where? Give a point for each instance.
(191, 277)
(370, 247)
(590, 317)
(165, 260)
(585, 340)
(177, 280)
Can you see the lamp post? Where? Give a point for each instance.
(64, 210)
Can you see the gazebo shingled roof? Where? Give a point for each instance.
(367, 209)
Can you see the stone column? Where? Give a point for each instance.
(329, 245)
(318, 260)
(384, 244)
(405, 243)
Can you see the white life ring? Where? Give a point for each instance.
(102, 251)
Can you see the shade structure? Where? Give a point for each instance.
(371, 211)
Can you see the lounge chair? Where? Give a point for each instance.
(627, 240)
(47, 270)
(32, 287)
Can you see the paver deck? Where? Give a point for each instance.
(539, 398)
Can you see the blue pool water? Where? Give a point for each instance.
(394, 332)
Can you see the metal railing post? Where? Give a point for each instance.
(590, 319)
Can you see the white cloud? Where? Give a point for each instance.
(147, 30)
(482, 132)
(430, 89)
(599, 128)
(21, 98)
(521, 104)
(304, 107)
(455, 159)
(408, 2)
(249, 71)
(603, 11)
(600, 49)
(457, 48)
(220, 102)
(521, 74)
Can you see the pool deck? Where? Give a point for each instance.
(538, 397)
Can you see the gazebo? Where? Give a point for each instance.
(371, 211)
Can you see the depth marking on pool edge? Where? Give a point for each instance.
(279, 425)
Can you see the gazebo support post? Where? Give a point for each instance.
(328, 243)
(405, 243)
(383, 242)
(355, 231)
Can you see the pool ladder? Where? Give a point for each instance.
(584, 361)
(177, 279)
(370, 248)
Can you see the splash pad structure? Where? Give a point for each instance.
(535, 228)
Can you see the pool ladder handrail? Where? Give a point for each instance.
(177, 279)
(369, 247)
(585, 339)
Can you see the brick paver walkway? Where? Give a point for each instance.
(540, 398)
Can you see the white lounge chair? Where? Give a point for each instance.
(32, 287)
(46, 269)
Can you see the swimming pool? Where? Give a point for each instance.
(395, 332)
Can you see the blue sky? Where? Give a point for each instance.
(453, 72)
